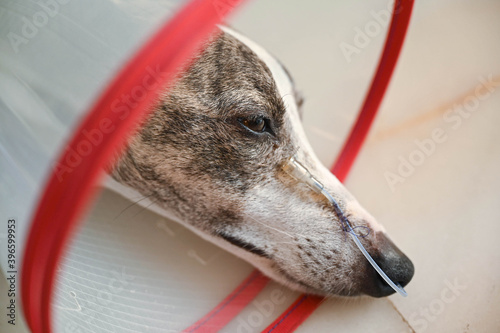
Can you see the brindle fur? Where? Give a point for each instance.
(195, 159)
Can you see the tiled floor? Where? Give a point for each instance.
(442, 208)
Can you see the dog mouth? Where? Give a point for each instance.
(249, 247)
(364, 279)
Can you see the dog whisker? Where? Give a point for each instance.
(146, 207)
(132, 205)
(275, 229)
(289, 235)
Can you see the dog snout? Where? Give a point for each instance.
(394, 263)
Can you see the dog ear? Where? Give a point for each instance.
(299, 99)
(297, 94)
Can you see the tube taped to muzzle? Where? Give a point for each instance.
(300, 172)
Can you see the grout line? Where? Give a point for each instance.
(426, 116)
(412, 330)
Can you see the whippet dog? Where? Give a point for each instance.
(211, 157)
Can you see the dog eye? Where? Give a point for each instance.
(258, 125)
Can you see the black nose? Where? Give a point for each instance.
(394, 263)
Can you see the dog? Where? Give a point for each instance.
(211, 157)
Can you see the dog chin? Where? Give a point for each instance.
(278, 274)
(306, 289)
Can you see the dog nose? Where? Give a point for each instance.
(394, 263)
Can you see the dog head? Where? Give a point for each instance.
(213, 154)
